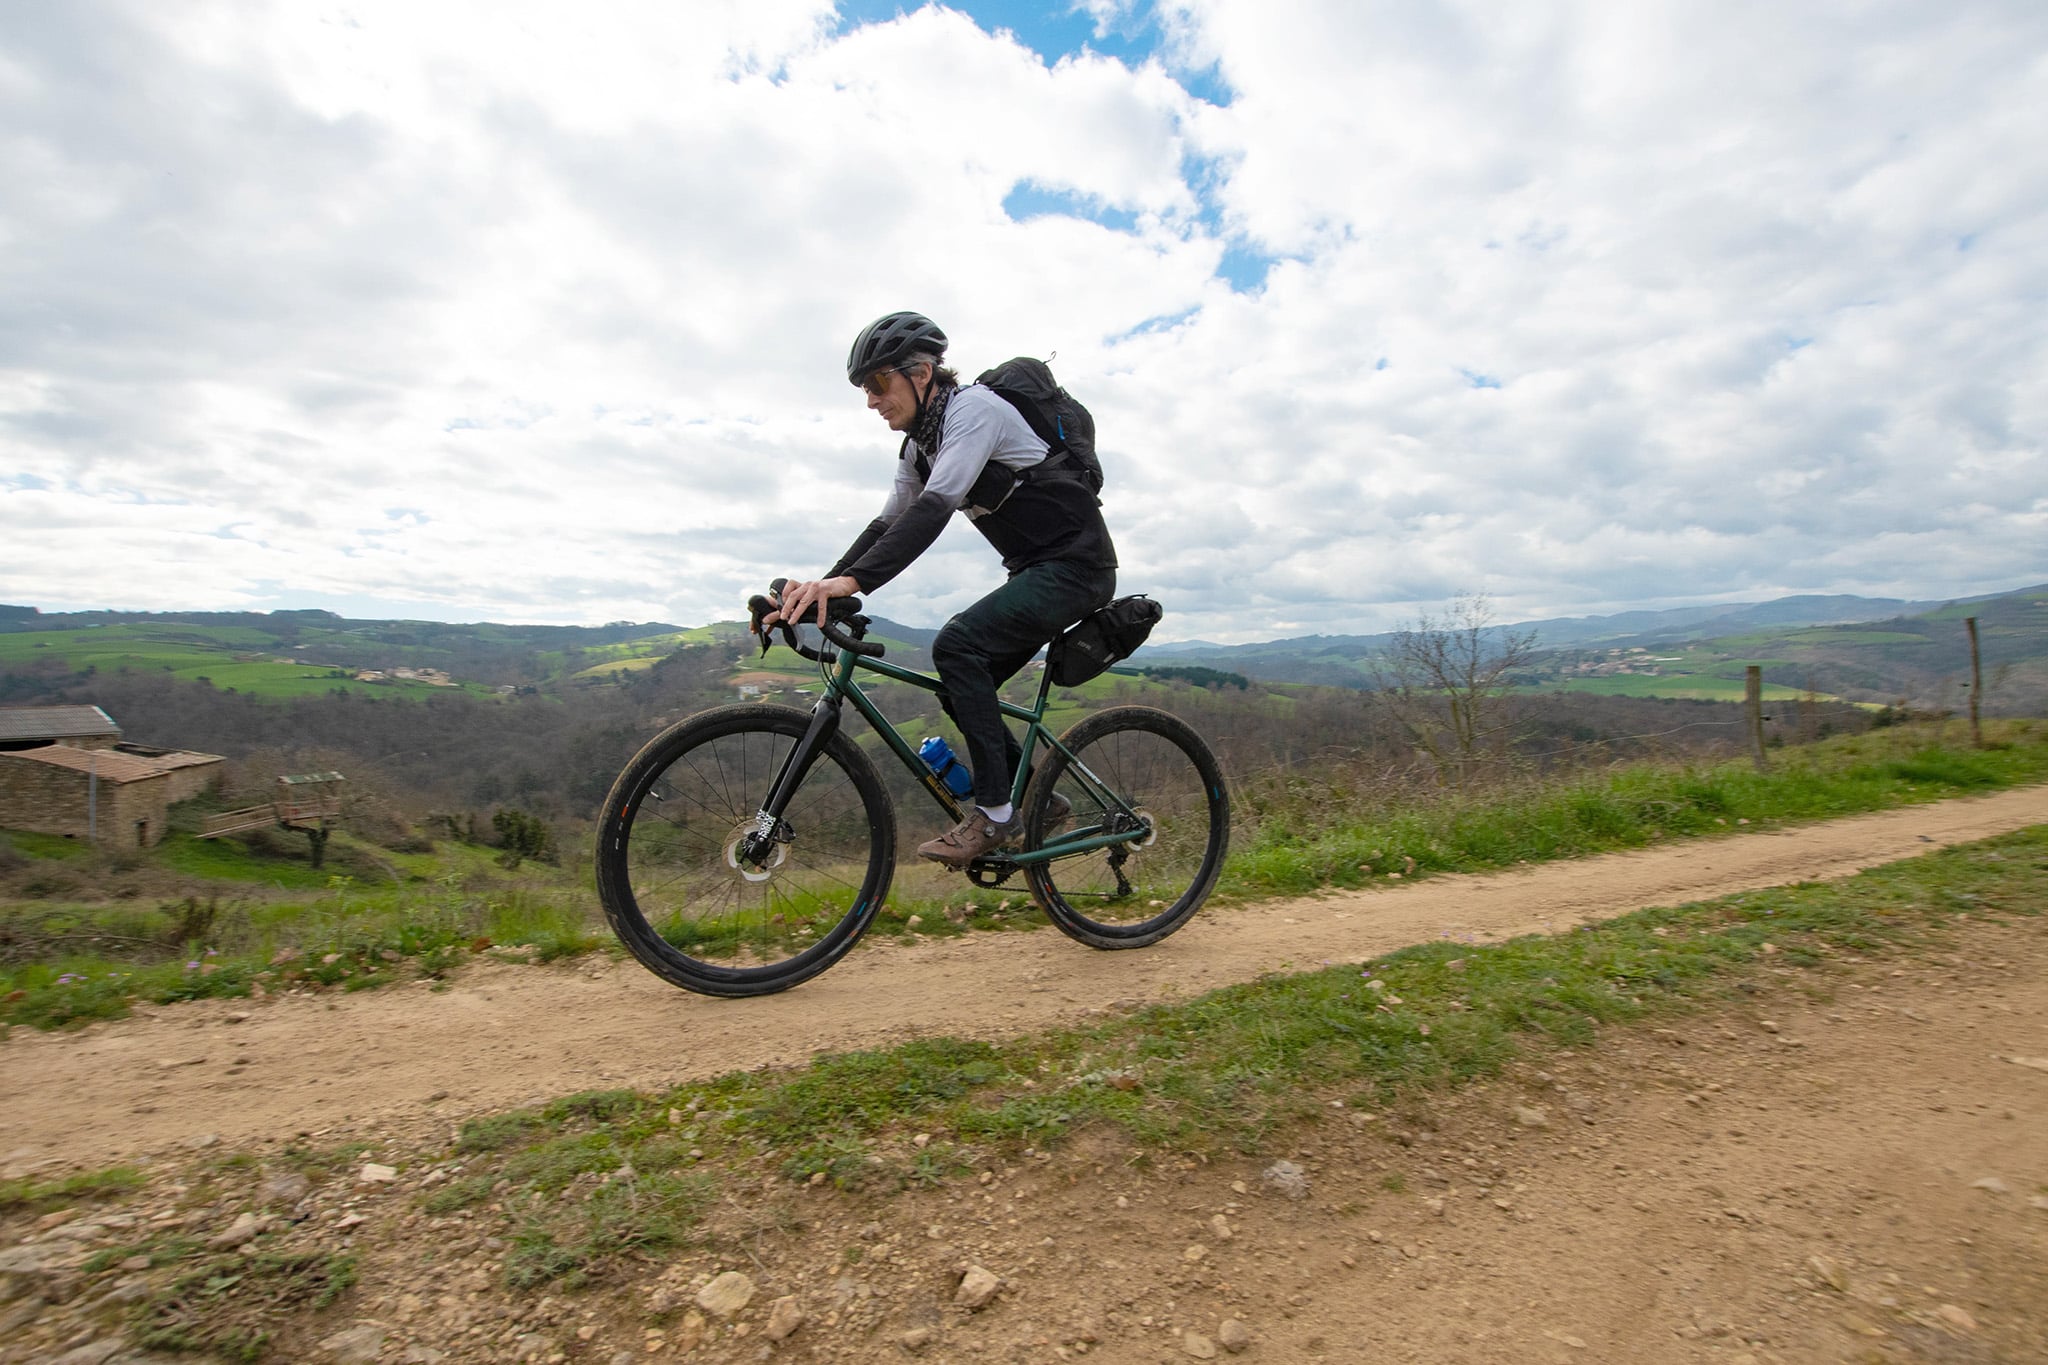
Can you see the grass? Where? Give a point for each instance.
(1236, 1071)
(1678, 686)
(269, 922)
(279, 926)
(231, 658)
(40, 1196)
(1317, 835)
(226, 1305)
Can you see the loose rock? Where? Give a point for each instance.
(784, 1317)
(245, 1229)
(356, 1345)
(977, 1287)
(92, 1353)
(1284, 1177)
(727, 1294)
(1830, 1273)
(286, 1187)
(1234, 1335)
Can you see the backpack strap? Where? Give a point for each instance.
(1057, 456)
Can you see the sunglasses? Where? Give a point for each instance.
(877, 383)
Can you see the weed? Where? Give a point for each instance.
(163, 1250)
(576, 1244)
(495, 1131)
(225, 1306)
(322, 1163)
(842, 1160)
(37, 1196)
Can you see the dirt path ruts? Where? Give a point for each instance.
(504, 1035)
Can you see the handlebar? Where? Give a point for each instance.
(843, 626)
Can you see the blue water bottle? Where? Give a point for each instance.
(939, 757)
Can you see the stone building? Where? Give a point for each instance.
(82, 727)
(64, 770)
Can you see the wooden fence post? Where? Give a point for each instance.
(1753, 702)
(1976, 685)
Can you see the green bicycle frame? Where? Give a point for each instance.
(840, 685)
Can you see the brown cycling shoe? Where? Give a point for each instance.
(969, 839)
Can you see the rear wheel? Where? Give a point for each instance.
(713, 898)
(1129, 770)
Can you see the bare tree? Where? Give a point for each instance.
(1443, 682)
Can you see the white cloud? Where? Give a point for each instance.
(517, 311)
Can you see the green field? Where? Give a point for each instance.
(1847, 635)
(1682, 687)
(231, 658)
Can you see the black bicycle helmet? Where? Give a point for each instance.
(887, 341)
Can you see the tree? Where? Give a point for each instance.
(1443, 681)
(522, 836)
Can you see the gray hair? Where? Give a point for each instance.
(942, 376)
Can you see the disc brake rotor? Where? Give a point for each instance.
(747, 869)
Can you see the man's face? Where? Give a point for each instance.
(893, 395)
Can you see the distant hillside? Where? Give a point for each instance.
(1857, 648)
(302, 653)
(1911, 650)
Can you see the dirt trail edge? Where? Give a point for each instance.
(502, 1035)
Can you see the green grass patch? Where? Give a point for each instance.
(278, 860)
(53, 847)
(227, 1306)
(1677, 686)
(581, 1183)
(1302, 842)
(64, 963)
(39, 1196)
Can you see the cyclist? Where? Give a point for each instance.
(966, 449)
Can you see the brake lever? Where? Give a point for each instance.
(839, 611)
(758, 609)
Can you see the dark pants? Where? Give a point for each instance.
(985, 645)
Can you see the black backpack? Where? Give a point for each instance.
(1058, 419)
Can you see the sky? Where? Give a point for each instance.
(483, 310)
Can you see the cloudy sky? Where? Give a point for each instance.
(537, 312)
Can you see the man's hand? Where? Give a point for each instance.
(809, 599)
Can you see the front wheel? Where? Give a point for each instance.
(710, 895)
(1134, 771)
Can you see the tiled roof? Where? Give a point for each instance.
(111, 764)
(54, 722)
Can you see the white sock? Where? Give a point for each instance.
(999, 814)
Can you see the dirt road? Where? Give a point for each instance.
(503, 1035)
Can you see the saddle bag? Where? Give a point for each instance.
(1102, 638)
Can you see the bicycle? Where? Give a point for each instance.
(746, 849)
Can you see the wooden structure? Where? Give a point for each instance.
(307, 803)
